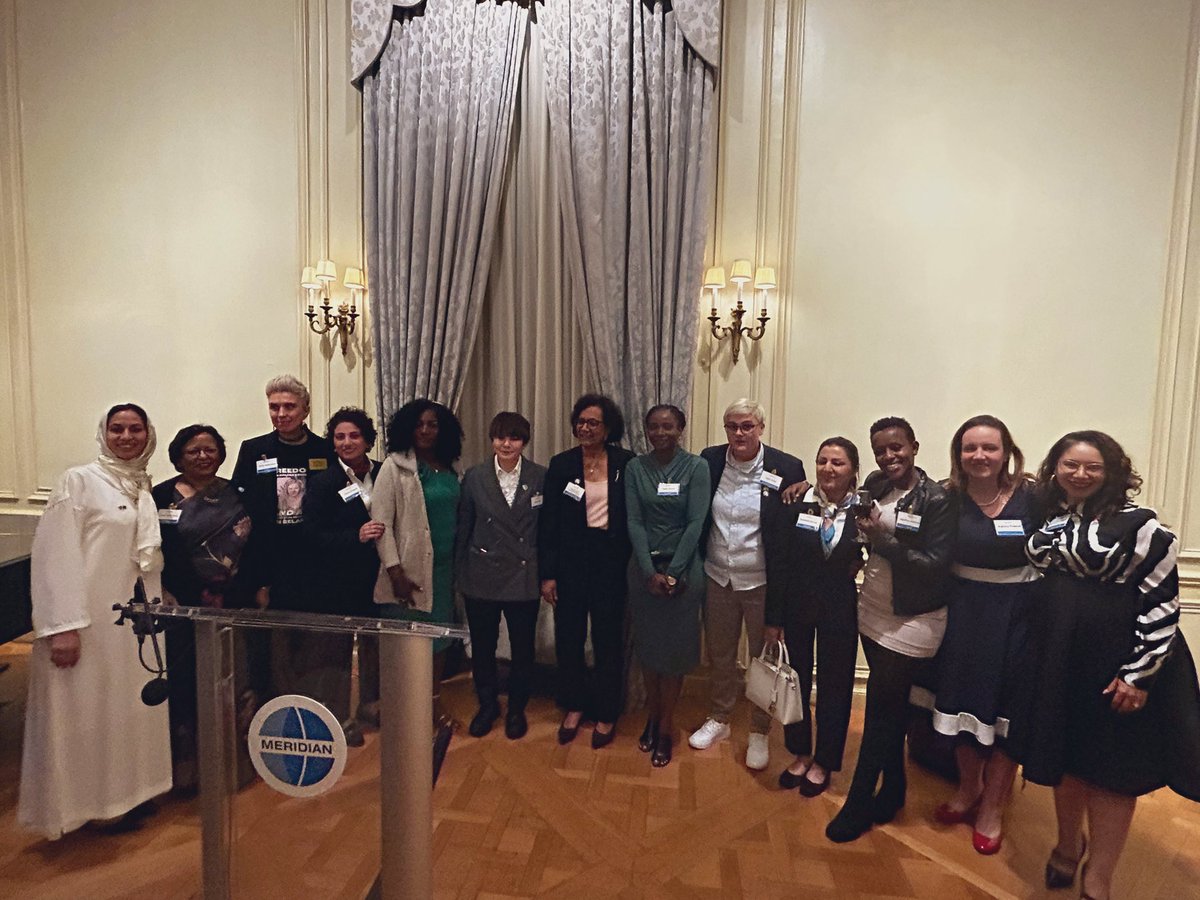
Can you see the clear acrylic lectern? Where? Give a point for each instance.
(406, 735)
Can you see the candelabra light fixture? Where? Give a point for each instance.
(740, 274)
(316, 282)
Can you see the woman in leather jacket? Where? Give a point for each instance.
(911, 530)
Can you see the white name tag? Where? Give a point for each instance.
(1058, 523)
(1009, 527)
(265, 466)
(668, 489)
(907, 521)
(808, 522)
(349, 492)
(771, 480)
(169, 516)
(574, 491)
(535, 500)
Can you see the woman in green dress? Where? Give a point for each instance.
(667, 495)
(416, 498)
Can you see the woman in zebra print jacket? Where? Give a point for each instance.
(1116, 712)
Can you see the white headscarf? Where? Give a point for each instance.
(129, 476)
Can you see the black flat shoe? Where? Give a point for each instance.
(515, 725)
(810, 788)
(565, 734)
(484, 720)
(600, 739)
(662, 751)
(354, 735)
(789, 781)
(649, 739)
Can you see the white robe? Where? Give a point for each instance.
(92, 749)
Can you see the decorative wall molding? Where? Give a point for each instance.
(18, 452)
(1172, 471)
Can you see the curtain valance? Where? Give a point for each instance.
(370, 21)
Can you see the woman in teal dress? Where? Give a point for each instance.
(416, 497)
(667, 495)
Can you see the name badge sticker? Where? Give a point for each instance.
(1008, 527)
(808, 522)
(349, 492)
(771, 480)
(318, 465)
(907, 521)
(535, 500)
(169, 516)
(574, 491)
(668, 489)
(266, 466)
(1058, 523)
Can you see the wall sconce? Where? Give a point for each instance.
(714, 280)
(316, 281)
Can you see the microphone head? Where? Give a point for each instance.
(155, 692)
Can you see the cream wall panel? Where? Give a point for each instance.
(331, 215)
(160, 213)
(179, 163)
(985, 193)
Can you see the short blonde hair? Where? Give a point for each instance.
(289, 384)
(746, 407)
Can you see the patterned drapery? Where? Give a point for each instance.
(632, 115)
(437, 118)
(369, 20)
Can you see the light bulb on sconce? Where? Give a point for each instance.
(740, 273)
(316, 282)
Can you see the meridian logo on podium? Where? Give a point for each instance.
(297, 746)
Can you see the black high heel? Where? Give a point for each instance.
(662, 751)
(1060, 869)
(649, 737)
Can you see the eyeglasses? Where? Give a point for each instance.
(588, 423)
(743, 427)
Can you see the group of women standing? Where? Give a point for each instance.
(1048, 606)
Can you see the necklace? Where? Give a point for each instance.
(982, 505)
(589, 468)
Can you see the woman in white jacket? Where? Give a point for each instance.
(93, 751)
(416, 498)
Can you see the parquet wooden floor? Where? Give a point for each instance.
(533, 819)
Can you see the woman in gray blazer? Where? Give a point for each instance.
(496, 566)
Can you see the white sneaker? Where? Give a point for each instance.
(758, 753)
(711, 732)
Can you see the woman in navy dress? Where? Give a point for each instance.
(983, 658)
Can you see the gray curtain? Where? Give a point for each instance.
(632, 116)
(437, 117)
(528, 354)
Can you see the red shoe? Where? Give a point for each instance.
(948, 815)
(984, 845)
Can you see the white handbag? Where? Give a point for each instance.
(774, 686)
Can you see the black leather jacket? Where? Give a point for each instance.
(920, 560)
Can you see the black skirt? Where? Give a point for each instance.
(1084, 631)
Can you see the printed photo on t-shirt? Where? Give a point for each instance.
(289, 492)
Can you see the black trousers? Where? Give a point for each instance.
(483, 620)
(594, 590)
(885, 723)
(836, 653)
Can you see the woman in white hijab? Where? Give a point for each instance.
(93, 751)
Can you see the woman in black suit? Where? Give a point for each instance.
(344, 565)
(495, 568)
(583, 550)
(813, 562)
